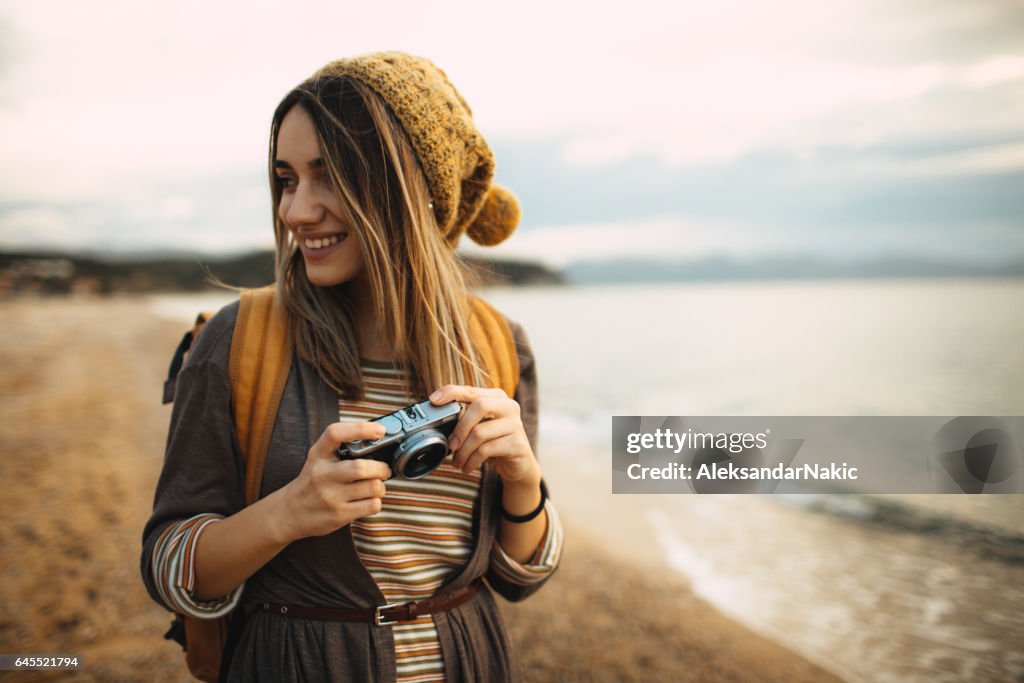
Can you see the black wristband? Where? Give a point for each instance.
(519, 519)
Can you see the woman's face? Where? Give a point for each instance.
(310, 207)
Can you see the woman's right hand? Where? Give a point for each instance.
(330, 493)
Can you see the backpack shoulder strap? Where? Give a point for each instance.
(494, 341)
(261, 355)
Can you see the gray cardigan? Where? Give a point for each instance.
(204, 472)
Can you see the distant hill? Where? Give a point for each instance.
(57, 272)
(498, 272)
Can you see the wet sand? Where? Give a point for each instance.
(82, 432)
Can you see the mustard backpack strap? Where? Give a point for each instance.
(494, 342)
(261, 356)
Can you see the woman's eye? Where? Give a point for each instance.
(283, 181)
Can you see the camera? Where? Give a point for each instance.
(416, 440)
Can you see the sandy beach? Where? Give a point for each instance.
(82, 432)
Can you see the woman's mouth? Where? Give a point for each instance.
(323, 242)
(319, 248)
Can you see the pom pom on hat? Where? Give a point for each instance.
(497, 218)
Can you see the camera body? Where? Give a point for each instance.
(416, 440)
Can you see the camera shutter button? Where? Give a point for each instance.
(391, 424)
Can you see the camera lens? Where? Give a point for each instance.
(421, 454)
(424, 461)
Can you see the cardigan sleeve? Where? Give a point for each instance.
(544, 561)
(511, 579)
(202, 479)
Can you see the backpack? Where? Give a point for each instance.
(258, 366)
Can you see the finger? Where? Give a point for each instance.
(365, 488)
(338, 433)
(462, 394)
(357, 469)
(482, 433)
(366, 507)
(485, 408)
(491, 449)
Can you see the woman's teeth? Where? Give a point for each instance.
(325, 242)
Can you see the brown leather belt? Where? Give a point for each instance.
(384, 614)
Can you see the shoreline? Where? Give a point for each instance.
(83, 431)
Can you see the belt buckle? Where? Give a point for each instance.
(379, 619)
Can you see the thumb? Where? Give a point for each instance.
(339, 433)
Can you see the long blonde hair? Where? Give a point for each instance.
(419, 286)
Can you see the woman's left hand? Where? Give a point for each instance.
(490, 429)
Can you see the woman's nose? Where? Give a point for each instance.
(305, 206)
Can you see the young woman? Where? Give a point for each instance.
(377, 170)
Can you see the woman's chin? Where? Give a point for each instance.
(322, 277)
(326, 281)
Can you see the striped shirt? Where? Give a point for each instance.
(424, 534)
(420, 538)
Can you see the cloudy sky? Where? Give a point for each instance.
(847, 127)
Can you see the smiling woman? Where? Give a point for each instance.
(340, 571)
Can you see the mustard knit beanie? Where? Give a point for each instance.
(455, 158)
